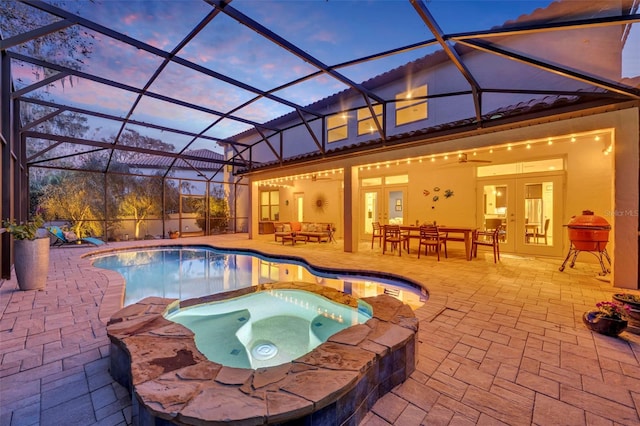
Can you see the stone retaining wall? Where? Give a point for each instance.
(337, 383)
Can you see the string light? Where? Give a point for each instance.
(284, 180)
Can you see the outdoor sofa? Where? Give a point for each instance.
(314, 231)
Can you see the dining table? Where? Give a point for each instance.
(462, 233)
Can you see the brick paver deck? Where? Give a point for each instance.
(499, 343)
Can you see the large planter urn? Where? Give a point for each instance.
(31, 263)
(603, 325)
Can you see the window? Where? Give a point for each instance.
(411, 106)
(270, 205)
(337, 128)
(365, 120)
(394, 180)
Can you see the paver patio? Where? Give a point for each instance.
(499, 343)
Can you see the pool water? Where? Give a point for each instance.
(267, 328)
(191, 272)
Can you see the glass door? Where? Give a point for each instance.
(528, 210)
(371, 211)
(540, 201)
(395, 208)
(386, 205)
(498, 209)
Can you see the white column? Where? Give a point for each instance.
(351, 209)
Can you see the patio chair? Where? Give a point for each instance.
(61, 239)
(394, 236)
(430, 236)
(489, 239)
(377, 234)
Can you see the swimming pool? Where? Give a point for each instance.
(187, 272)
(266, 328)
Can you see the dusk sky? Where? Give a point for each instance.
(331, 31)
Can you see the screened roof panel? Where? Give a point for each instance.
(340, 31)
(100, 55)
(150, 138)
(595, 58)
(312, 90)
(262, 110)
(141, 163)
(20, 18)
(630, 56)
(208, 144)
(145, 20)
(232, 49)
(368, 70)
(226, 127)
(70, 155)
(246, 63)
(195, 87)
(508, 75)
(88, 95)
(468, 16)
(168, 114)
(78, 125)
(25, 75)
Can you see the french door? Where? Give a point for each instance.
(529, 210)
(383, 204)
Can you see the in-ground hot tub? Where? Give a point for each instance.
(266, 328)
(337, 383)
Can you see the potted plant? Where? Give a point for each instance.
(31, 253)
(609, 319)
(174, 234)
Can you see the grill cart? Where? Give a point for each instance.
(589, 233)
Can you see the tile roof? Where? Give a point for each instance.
(547, 104)
(160, 162)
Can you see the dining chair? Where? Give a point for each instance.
(489, 239)
(394, 236)
(537, 235)
(430, 236)
(492, 224)
(377, 234)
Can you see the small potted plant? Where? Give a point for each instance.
(174, 234)
(31, 253)
(609, 319)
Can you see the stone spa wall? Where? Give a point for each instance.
(337, 383)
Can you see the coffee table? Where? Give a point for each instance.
(293, 238)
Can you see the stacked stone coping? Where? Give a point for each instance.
(172, 382)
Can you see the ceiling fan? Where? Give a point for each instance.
(462, 158)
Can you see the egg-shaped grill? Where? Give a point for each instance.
(590, 233)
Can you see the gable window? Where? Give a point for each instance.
(411, 106)
(269, 205)
(366, 124)
(337, 128)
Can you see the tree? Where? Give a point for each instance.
(143, 199)
(77, 199)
